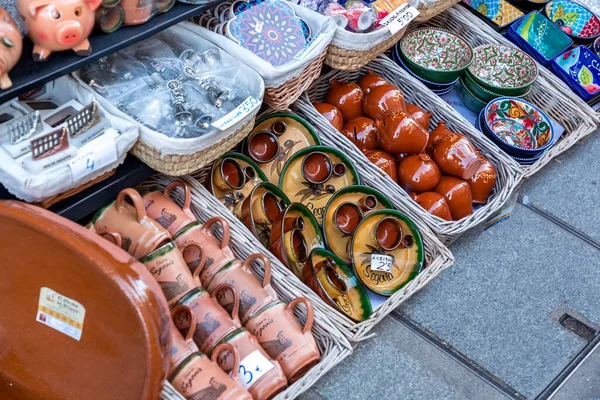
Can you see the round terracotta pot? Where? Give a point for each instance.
(399, 157)
(456, 156)
(347, 97)
(439, 132)
(382, 100)
(418, 173)
(434, 203)
(331, 114)
(458, 196)
(399, 133)
(384, 161)
(362, 132)
(421, 116)
(371, 80)
(482, 183)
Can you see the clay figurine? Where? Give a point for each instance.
(10, 47)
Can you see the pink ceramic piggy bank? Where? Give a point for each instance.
(11, 46)
(57, 25)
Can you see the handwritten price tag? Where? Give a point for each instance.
(399, 18)
(234, 116)
(94, 156)
(381, 262)
(253, 367)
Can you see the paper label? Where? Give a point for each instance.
(233, 117)
(60, 313)
(94, 156)
(259, 26)
(381, 262)
(253, 367)
(399, 18)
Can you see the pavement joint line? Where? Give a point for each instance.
(475, 368)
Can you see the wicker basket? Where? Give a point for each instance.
(509, 173)
(429, 11)
(332, 344)
(72, 192)
(551, 94)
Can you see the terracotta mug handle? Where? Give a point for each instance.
(235, 313)
(208, 227)
(267, 263)
(137, 202)
(202, 255)
(183, 308)
(236, 357)
(310, 312)
(113, 234)
(187, 201)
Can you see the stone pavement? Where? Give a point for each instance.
(493, 325)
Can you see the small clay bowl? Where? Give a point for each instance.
(263, 146)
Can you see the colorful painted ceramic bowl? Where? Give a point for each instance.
(539, 37)
(518, 127)
(499, 12)
(574, 19)
(435, 87)
(470, 99)
(502, 69)
(336, 284)
(580, 69)
(386, 251)
(435, 54)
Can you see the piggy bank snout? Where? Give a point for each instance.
(69, 33)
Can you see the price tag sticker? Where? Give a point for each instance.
(61, 313)
(234, 116)
(399, 18)
(381, 262)
(94, 156)
(253, 367)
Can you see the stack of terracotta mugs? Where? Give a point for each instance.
(224, 318)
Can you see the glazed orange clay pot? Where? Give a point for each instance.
(382, 100)
(421, 116)
(371, 80)
(418, 173)
(439, 132)
(347, 97)
(362, 132)
(182, 347)
(399, 133)
(399, 157)
(384, 161)
(434, 203)
(161, 208)
(456, 156)
(331, 114)
(458, 196)
(482, 183)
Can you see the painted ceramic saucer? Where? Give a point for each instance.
(574, 19)
(336, 284)
(232, 177)
(314, 174)
(346, 208)
(261, 208)
(500, 12)
(294, 234)
(386, 251)
(275, 138)
(580, 69)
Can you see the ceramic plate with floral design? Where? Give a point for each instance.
(574, 19)
(580, 69)
(501, 66)
(500, 12)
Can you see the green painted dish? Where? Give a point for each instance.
(483, 93)
(471, 101)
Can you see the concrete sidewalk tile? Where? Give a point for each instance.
(584, 383)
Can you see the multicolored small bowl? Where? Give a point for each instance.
(574, 19)
(580, 69)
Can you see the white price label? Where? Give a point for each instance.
(399, 18)
(94, 156)
(253, 367)
(233, 117)
(61, 313)
(259, 26)
(381, 262)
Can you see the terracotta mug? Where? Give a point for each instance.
(112, 236)
(284, 339)
(182, 347)
(253, 294)
(199, 377)
(231, 175)
(167, 266)
(263, 146)
(213, 322)
(139, 233)
(161, 208)
(259, 373)
(217, 253)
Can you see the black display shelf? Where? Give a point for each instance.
(29, 74)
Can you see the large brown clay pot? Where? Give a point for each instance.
(456, 156)
(434, 203)
(331, 114)
(384, 161)
(418, 173)
(347, 97)
(482, 183)
(458, 195)
(399, 133)
(421, 116)
(371, 80)
(362, 132)
(382, 100)
(439, 132)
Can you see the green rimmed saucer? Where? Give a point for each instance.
(336, 284)
(337, 240)
(386, 237)
(483, 93)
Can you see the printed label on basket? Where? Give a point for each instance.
(253, 367)
(399, 18)
(259, 26)
(316, 40)
(61, 313)
(233, 117)
(381, 262)
(95, 155)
